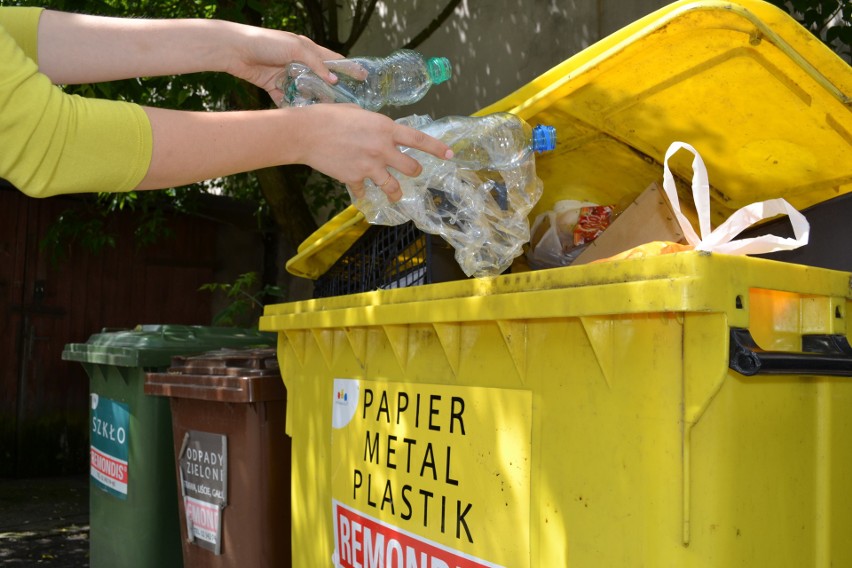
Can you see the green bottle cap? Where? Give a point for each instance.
(439, 69)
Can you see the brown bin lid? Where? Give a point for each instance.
(225, 375)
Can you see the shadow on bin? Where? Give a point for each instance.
(232, 456)
(132, 502)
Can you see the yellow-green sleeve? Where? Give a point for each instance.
(54, 143)
(22, 24)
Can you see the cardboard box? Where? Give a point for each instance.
(648, 218)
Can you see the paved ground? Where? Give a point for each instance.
(44, 522)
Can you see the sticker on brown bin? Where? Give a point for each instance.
(204, 487)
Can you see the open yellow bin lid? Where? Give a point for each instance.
(763, 101)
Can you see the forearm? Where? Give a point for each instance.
(194, 146)
(76, 48)
(341, 141)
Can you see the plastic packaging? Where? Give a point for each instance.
(480, 199)
(401, 78)
(561, 234)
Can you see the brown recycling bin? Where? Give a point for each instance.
(232, 457)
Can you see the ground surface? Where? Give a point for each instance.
(44, 522)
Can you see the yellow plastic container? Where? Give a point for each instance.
(689, 410)
(621, 439)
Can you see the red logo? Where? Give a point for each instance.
(367, 543)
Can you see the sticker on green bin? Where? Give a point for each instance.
(430, 475)
(109, 445)
(204, 486)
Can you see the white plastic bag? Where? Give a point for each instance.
(554, 234)
(721, 239)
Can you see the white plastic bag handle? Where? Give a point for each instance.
(721, 239)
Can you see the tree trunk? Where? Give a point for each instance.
(280, 186)
(282, 189)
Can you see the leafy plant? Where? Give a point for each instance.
(71, 227)
(829, 20)
(90, 225)
(247, 298)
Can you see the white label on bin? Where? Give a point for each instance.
(204, 519)
(345, 402)
(109, 450)
(203, 460)
(431, 475)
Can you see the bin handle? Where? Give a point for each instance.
(822, 354)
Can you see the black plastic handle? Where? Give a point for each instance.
(820, 355)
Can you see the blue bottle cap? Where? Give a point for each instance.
(544, 138)
(439, 69)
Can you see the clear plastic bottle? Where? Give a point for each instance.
(480, 199)
(401, 78)
(495, 141)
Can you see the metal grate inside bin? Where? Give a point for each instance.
(389, 257)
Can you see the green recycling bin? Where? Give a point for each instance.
(133, 504)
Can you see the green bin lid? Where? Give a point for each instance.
(155, 345)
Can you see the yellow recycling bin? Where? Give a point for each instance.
(573, 417)
(688, 410)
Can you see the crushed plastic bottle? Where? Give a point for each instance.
(401, 78)
(480, 199)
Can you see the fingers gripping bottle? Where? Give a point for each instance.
(480, 199)
(401, 78)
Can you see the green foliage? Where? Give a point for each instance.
(829, 20)
(151, 220)
(73, 227)
(91, 225)
(246, 299)
(326, 197)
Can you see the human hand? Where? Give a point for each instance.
(261, 55)
(352, 145)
